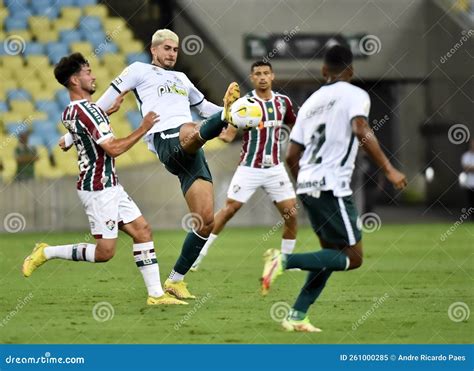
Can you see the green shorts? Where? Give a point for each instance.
(185, 166)
(334, 219)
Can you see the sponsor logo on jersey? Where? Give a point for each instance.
(171, 88)
(314, 184)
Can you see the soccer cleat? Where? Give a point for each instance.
(35, 260)
(299, 326)
(196, 264)
(165, 299)
(272, 268)
(231, 95)
(178, 289)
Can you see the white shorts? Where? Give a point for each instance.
(274, 181)
(107, 208)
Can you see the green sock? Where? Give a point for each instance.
(334, 260)
(212, 126)
(311, 290)
(192, 246)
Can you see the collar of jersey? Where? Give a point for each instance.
(78, 101)
(254, 95)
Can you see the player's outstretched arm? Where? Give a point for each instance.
(371, 146)
(117, 103)
(110, 98)
(115, 147)
(293, 155)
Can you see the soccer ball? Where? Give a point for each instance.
(246, 113)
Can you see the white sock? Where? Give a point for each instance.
(210, 240)
(175, 276)
(145, 259)
(287, 246)
(76, 252)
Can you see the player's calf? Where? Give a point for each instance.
(105, 250)
(355, 255)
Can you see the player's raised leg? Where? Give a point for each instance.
(192, 136)
(220, 220)
(145, 258)
(102, 251)
(200, 200)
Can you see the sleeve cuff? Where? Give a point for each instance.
(104, 138)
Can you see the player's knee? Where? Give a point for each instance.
(145, 233)
(104, 253)
(205, 225)
(356, 262)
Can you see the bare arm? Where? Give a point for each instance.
(371, 146)
(228, 134)
(293, 155)
(116, 146)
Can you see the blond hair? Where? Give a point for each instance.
(162, 35)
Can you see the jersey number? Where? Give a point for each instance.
(318, 139)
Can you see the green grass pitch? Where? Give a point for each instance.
(402, 293)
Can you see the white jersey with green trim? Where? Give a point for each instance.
(168, 93)
(323, 126)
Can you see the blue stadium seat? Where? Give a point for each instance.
(56, 50)
(83, 3)
(35, 140)
(62, 97)
(52, 12)
(138, 57)
(95, 38)
(3, 106)
(44, 127)
(61, 3)
(18, 94)
(16, 5)
(90, 24)
(70, 36)
(110, 47)
(50, 107)
(135, 118)
(15, 128)
(12, 24)
(21, 13)
(34, 48)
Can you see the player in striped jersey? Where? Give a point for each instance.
(106, 203)
(260, 165)
(330, 126)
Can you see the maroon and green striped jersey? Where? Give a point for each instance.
(261, 146)
(90, 126)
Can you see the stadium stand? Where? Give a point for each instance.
(34, 35)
